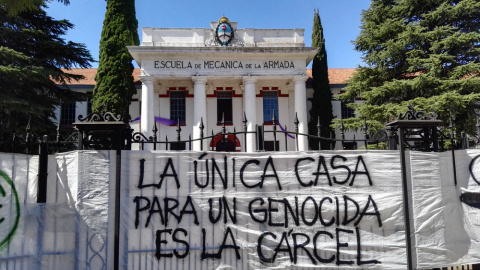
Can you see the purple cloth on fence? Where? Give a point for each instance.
(136, 119)
(284, 130)
(165, 121)
(162, 121)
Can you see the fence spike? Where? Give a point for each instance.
(179, 130)
(58, 132)
(27, 137)
(155, 129)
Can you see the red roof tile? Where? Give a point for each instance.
(89, 74)
(335, 75)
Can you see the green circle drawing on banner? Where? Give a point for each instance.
(5, 225)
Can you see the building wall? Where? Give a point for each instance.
(286, 116)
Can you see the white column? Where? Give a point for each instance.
(147, 119)
(199, 111)
(301, 110)
(250, 107)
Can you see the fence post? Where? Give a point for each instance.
(201, 133)
(80, 140)
(257, 143)
(286, 138)
(390, 139)
(365, 133)
(57, 139)
(212, 141)
(412, 120)
(274, 120)
(477, 126)
(464, 140)
(42, 170)
(319, 133)
(245, 130)
(116, 248)
(263, 136)
(406, 208)
(224, 131)
(452, 134)
(27, 137)
(41, 195)
(333, 142)
(296, 131)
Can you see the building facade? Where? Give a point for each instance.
(222, 74)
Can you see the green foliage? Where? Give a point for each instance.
(424, 53)
(322, 96)
(16, 6)
(375, 146)
(32, 56)
(114, 81)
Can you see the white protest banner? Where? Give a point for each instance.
(446, 229)
(73, 228)
(191, 210)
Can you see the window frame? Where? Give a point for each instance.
(178, 106)
(225, 106)
(67, 114)
(270, 104)
(346, 111)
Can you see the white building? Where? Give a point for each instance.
(222, 73)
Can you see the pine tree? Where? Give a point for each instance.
(114, 80)
(322, 96)
(15, 6)
(32, 56)
(424, 53)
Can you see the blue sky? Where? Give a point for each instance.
(340, 20)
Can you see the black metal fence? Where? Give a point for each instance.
(412, 130)
(422, 132)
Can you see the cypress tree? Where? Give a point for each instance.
(114, 80)
(424, 53)
(322, 96)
